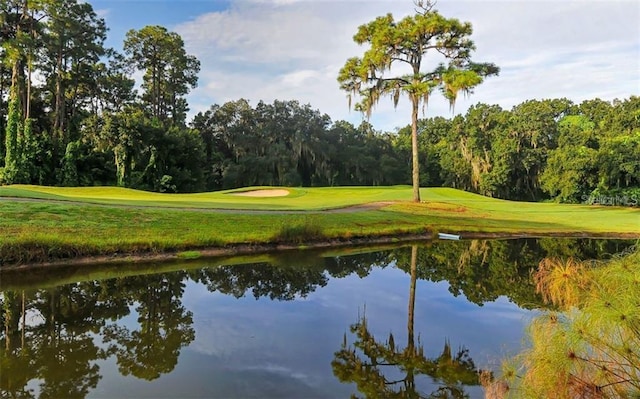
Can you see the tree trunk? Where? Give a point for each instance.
(24, 318)
(121, 169)
(2, 115)
(17, 81)
(411, 345)
(414, 150)
(58, 106)
(412, 296)
(27, 112)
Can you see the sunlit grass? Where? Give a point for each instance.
(297, 199)
(40, 230)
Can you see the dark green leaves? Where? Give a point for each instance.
(169, 71)
(403, 44)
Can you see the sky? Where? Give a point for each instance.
(293, 49)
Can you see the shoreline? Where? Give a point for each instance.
(265, 248)
(114, 225)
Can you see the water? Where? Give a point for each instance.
(297, 325)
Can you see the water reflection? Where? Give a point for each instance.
(164, 326)
(58, 348)
(60, 340)
(363, 363)
(284, 279)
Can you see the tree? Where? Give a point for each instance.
(571, 173)
(404, 44)
(72, 46)
(431, 131)
(169, 71)
(4, 79)
(361, 156)
(291, 134)
(283, 143)
(12, 154)
(474, 154)
(619, 152)
(535, 129)
(126, 134)
(173, 161)
(57, 41)
(211, 127)
(17, 23)
(113, 89)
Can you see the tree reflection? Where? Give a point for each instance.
(59, 350)
(263, 280)
(484, 270)
(165, 326)
(14, 355)
(364, 364)
(55, 352)
(296, 275)
(65, 348)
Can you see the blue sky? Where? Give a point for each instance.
(293, 49)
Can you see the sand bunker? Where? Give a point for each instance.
(264, 193)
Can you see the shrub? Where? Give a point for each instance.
(590, 349)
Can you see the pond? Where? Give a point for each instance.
(412, 320)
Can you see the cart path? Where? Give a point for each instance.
(345, 209)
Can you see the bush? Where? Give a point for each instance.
(591, 349)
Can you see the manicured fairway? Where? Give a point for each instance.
(141, 222)
(298, 198)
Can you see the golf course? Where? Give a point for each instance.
(42, 225)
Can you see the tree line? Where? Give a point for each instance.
(539, 150)
(72, 115)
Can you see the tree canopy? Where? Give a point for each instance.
(394, 65)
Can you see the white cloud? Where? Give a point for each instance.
(285, 49)
(298, 79)
(103, 12)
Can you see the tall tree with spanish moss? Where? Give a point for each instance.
(393, 65)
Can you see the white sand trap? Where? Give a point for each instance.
(264, 193)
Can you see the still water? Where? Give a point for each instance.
(370, 322)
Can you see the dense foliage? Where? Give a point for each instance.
(590, 349)
(83, 122)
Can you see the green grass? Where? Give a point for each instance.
(189, 255)
(36, 231)
(298, 198)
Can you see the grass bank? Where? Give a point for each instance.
(68, 223)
